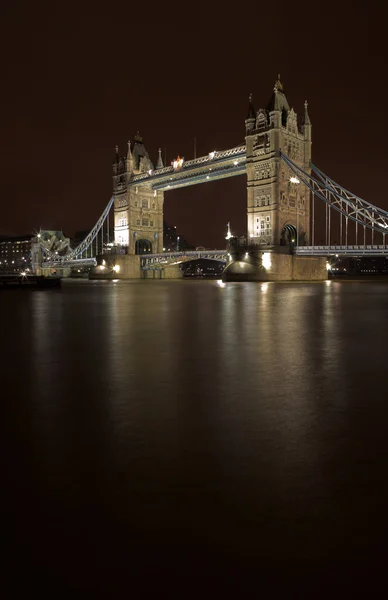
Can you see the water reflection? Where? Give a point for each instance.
(170, 413)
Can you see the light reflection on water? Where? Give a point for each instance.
(200, 411)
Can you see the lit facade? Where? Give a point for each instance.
(278, 206)
(14, 252)
(138, 210)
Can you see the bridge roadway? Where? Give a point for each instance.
(342, 250)
(215, 165)
(154, 261)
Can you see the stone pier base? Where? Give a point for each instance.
(127, 266)
(272, 266)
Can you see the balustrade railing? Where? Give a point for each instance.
(209, 158)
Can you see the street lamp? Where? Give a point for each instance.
(296, 181)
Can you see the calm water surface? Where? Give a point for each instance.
(173, 431)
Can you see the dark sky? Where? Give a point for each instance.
(79, 78)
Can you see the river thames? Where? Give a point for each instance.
(194, 431)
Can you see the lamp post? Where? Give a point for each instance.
(296, 181)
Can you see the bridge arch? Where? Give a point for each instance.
(143, 246)
(289, 235)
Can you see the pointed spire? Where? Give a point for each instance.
(159, 164)
(129, 159)
(138, 137)
(278, 85)
(306, 118)
(251, 108)
(117, 157)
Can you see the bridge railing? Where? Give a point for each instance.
(212, 157)
(372, 249)
(147, 260)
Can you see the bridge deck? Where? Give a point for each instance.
(372, 250)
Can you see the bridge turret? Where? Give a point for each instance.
(141, 160)
(159, 164)
(275, 204)
(278, 106)
(306, 130)
(251, 117)
(129, 160)
(119, 170)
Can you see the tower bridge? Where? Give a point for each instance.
(283, 188)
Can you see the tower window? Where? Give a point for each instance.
(144, 203)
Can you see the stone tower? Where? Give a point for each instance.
(138, 209)
(278, 209)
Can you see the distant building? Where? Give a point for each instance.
(15, 251)
(172, 241)
(364, 265)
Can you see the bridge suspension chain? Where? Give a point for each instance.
(343, 201)
(85, 244)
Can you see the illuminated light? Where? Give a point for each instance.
(150, 172)
(294, 179)
(264, 288)
(328, 282)
(102, 267)
(207, 176)
(103, 262)
(23, 274)
(221, 283)
(154, 193)
(168, 185)
(115, 280)
(38, 235)
(251, 236)
(228, 253)
(212, 154)
(336, 255)
(177, 163)
(164, 249)
(116, 268)
(266, 260)
(328, 266)
(235, 163)
(246, 254)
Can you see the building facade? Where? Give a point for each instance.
(138, 209)
(278, 206)
(15, 252)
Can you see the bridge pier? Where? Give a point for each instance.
(117, 266)
(127, 266)
(274, 266)
(167, 272)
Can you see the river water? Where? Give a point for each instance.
(189, 431)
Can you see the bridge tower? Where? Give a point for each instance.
(278, 206)
(138, 209)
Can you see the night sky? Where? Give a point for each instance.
(79, 78)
